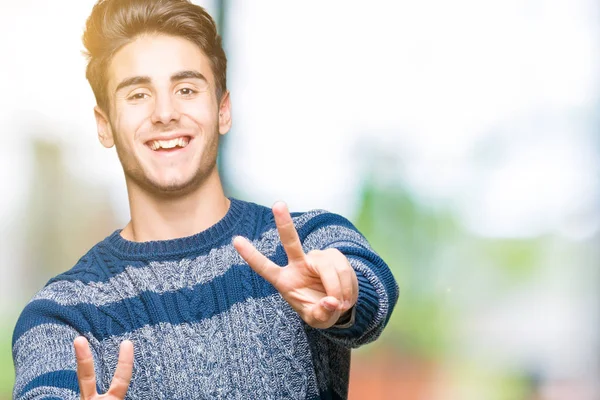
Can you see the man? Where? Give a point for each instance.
(199, 295)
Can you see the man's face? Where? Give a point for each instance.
(164, 118)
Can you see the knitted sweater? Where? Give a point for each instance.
(204, 325)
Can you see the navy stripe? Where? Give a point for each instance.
(330, 394)
(63, 379)
(374, 262)
(41, 312)
(93, 272)
(187, 305)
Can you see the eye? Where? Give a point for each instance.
(186, 91)
(138, 96)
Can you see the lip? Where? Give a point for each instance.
(173, 151)
(169, 137)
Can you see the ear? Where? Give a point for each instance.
(225, 114)
(105, 133)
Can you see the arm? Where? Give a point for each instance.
(377, 289)
(325, 283)
(52, 360)
(43, 355)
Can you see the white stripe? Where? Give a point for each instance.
(157, 277)
(333, 234)
(302, 219)
(42, 349)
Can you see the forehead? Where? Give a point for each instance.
(158, 57)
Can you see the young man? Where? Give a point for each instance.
(199, 295)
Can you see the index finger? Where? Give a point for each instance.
(257, 261)
(122, 377)
(287, 233)
(85, 368)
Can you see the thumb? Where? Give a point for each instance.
(326, 312)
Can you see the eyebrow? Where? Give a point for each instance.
(144, 80)
(189, 74)
(134, 80)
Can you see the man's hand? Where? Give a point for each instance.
(320, 285)
(87, 377)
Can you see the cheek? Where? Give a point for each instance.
(202, 112)
(129, 121)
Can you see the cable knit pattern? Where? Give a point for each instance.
(203, 324)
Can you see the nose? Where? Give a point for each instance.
(165, 110)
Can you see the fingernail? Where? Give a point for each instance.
(328, 306)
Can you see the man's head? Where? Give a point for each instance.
(115, 23)
(157, 70)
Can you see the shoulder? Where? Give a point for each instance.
(319, 218)
(317, 228)
(85, 269)
(320, 229)
(51, 305)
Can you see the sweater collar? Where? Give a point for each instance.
(181, 246)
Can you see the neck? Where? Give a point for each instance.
(163, 218)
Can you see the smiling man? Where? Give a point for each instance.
(199, 296)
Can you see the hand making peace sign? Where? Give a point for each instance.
(87, 376)
(320, 285)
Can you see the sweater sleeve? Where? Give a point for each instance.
(378, 291)
(43, 353)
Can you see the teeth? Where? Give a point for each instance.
(169, 144)
(182, 141)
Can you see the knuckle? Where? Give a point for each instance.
(264, 264)
(344, 272)
(84, 359)
(87, 379)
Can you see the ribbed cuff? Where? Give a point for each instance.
(365, 310)
(347, 321)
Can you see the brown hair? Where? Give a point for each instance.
(115, 23)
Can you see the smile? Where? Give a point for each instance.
(168, 144)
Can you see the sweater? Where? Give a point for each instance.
(204, 325)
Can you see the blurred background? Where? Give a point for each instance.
(462, 138)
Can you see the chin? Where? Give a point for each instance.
(170, 184)
(174, 187)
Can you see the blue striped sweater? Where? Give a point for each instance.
(203, 324)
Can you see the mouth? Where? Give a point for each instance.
(169, 145)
